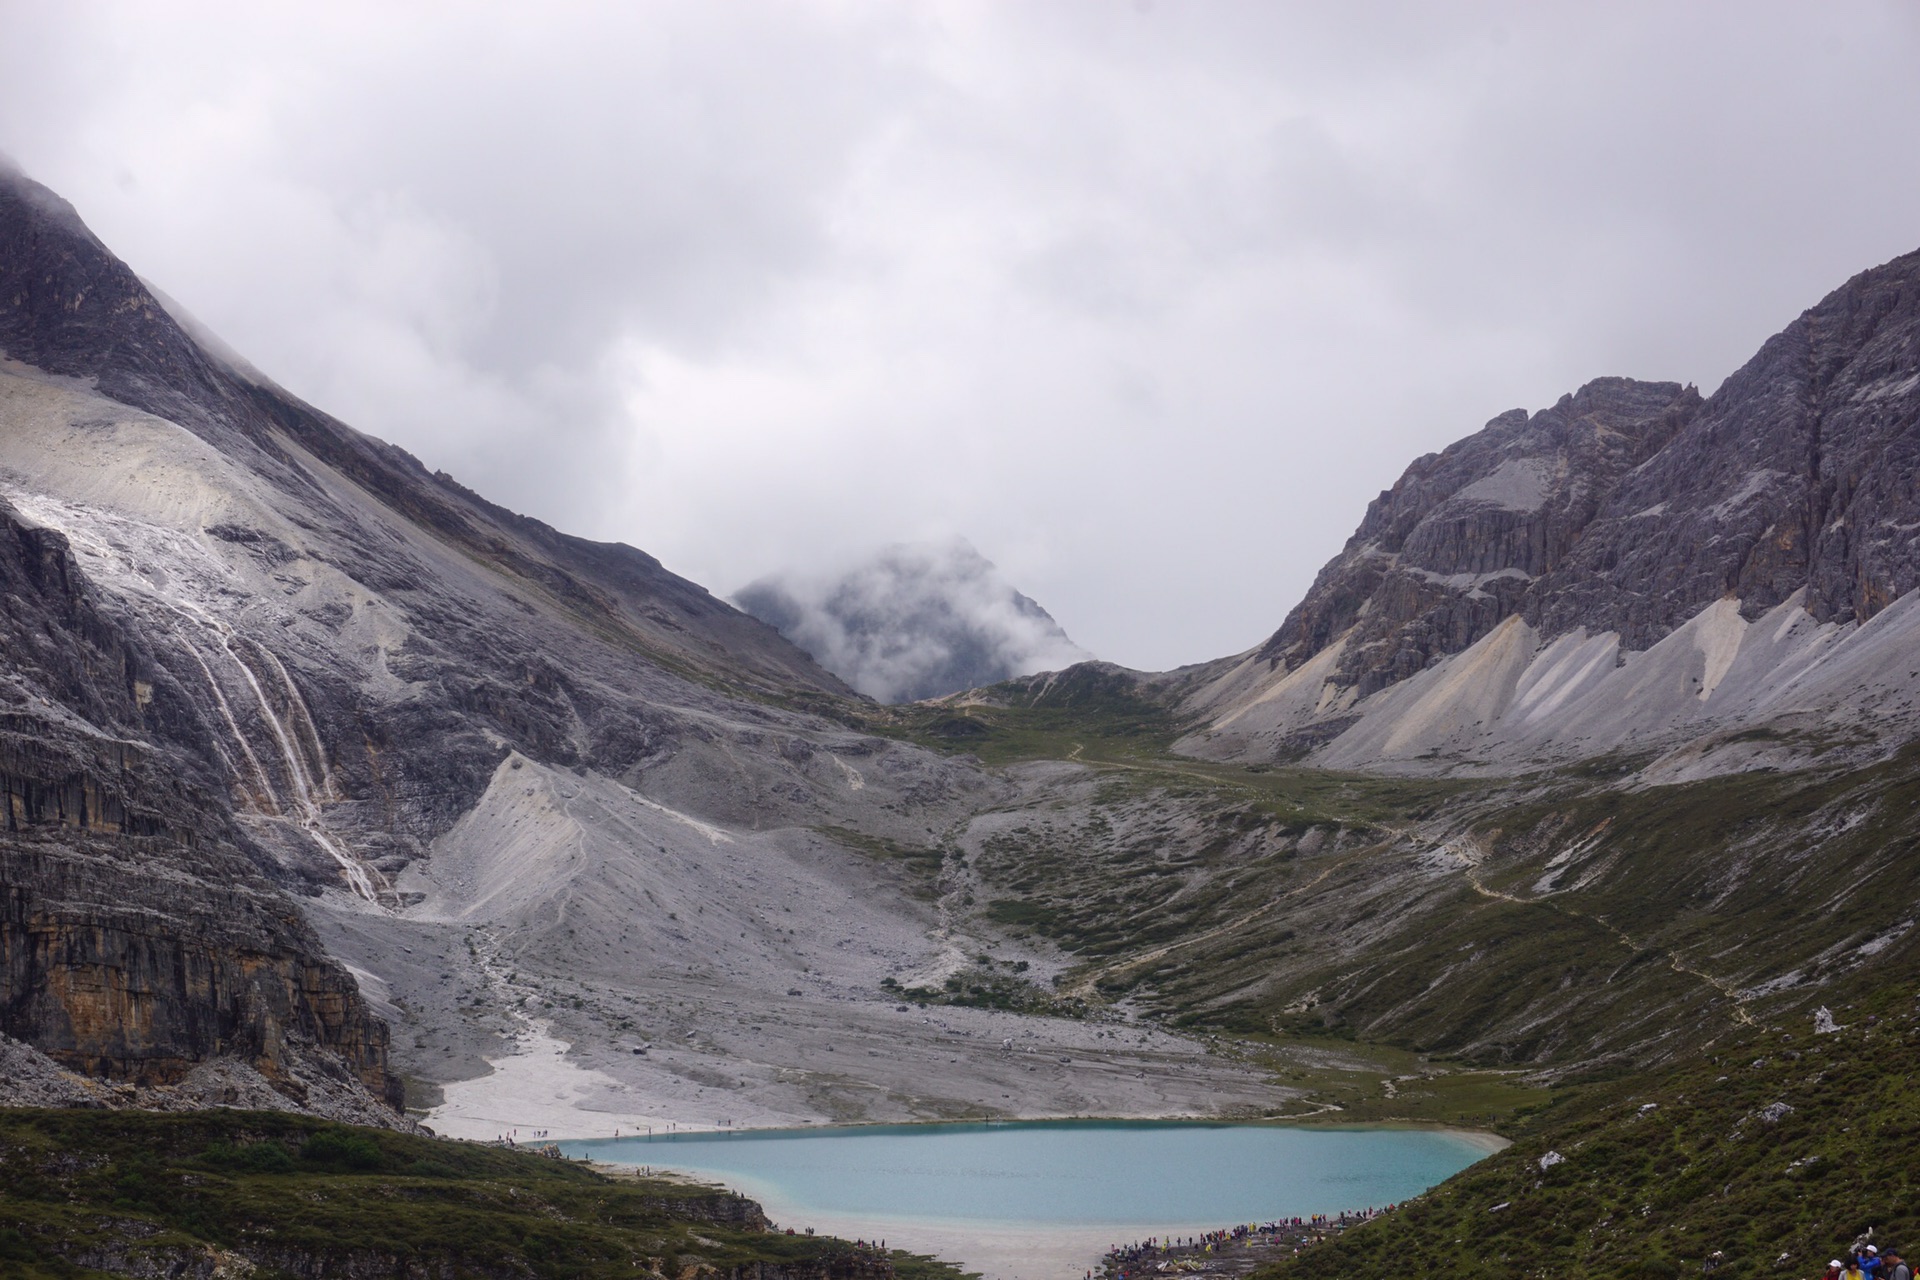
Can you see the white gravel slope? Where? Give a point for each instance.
(747, 966)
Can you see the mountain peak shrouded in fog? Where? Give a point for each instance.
(915, 621)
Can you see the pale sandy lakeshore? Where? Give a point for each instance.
(541, 1089)
(1061, 1070)
(997, 1250)
(1486, 1142)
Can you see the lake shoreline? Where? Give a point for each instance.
(1055, 1195)
(803, 1063)
(1485, 1139)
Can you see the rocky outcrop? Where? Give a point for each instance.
(77, 684)
(721, 1209)
(1625, 511)
(29, 1078)
(1802, 473)
(121, 960)
(137, 938)
(1460, 542)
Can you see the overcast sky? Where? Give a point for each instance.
(1144, 299)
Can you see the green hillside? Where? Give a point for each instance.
(1558, 919)
(1621, 974)
(266, 1194)
(1765, 1157)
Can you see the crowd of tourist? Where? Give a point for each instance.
(1155, 1255)
(1868, 1263)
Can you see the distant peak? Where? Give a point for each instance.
(914, 621)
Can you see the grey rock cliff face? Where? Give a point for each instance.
(1630, 506)
(1802, 472)
(137, 938)
(1465, 537)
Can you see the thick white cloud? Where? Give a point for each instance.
(914, 622)
(1146, 300)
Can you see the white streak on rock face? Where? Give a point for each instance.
(137, 531)
(1563, 670)
(1887, 388)
(303, 719)
(265, 800)
(1753, 486)
(1717, 633)
(306, 802)
(1518, 484)
(1469, 694)
(713, 834)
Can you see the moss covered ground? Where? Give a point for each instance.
(91, 1193)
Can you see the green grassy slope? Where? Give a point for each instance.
(1765, 1156)
(1575, 920)
(1654, 951)
(88, 1193)
(1089, 710)
(1566, 916)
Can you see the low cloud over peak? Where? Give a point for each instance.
(914, 621)
(1154, 297)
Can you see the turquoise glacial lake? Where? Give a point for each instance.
(1085, 1173)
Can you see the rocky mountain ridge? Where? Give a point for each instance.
(250, 647)
(1522, 564)
(538, 798)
